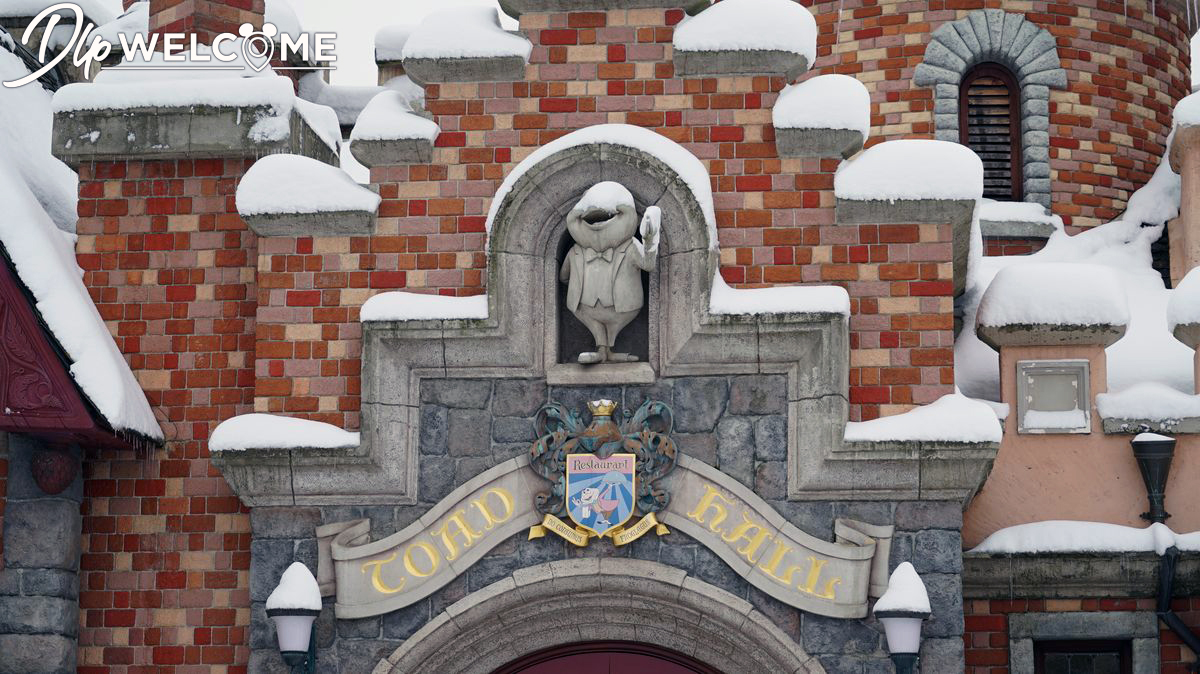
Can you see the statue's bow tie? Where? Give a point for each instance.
(589, 255)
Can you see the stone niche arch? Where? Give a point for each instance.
(529, 224)
(1026, 49)
(605, 599)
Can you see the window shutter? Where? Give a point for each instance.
(990, 124)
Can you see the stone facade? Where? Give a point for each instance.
(735, 423)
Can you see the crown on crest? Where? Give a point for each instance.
(602, 408)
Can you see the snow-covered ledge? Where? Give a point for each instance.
(290, 195)
(1059, 304)
(747, 37)
(221, 117)
(826, 116)
(465, 44)
(388, 132)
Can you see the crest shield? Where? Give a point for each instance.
(600, 491)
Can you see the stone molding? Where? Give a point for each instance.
(372, 153)
(425, 71)
(1049, 334)
(811, 349)
(1028, 50)
(821, 143)
(186, 132)
(515, 8)
(611, 599)
(1140, 627)
(774, 62)
(1015, 229)
(332, 223)
(1071, 576)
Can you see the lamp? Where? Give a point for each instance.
(294, 606)
(1154, 453)
(902, 610)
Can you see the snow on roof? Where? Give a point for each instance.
(951, 418)
(389, 117)
(1184, 306)
(280, 14)
(390, 41)
(39, 195)
(1072, 536)
(906, 592)
(133, 21)
(1017, 211)
(268, 431)
(750, 25)
(297, 589)
(346, 101)
(1055, 294)
(911, 169)
(289, 183)
(398, 305)
(689, 168)
(464, 32)
(1148, 352)
(97, 11)
(1150, 401)
(824, 102)
(725, 300)
(25, 131)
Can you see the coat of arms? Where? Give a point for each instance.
(603, 474)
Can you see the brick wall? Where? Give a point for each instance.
(986, 635)
(1126, 69)
(993, 247)
(204, 18)
(3, 491)
(166, 547)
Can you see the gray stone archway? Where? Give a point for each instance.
(599, 599)
(1028, 50)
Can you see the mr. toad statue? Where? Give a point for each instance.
(603, 270)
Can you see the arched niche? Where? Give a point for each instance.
(593, 599)
(529, 227)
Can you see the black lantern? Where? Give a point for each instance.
(294, 606)
(1154, 453)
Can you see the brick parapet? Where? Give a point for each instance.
(166, 544)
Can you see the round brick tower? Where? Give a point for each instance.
(1092, 85)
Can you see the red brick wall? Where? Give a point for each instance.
(204, 18)
(166, 545)
(994, 247)
(1126, 69)
(986, 633)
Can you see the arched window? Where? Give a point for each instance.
(990, 124)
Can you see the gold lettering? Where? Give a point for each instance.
(753, 543)
(376, 578)
(707, 503)
(771, 568)
(461, 528)
(489, 518)
(431, 552)
(814, 575)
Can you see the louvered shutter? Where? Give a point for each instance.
(990, 124)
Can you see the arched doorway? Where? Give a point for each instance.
(606, 657)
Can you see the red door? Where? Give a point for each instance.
(606, 657)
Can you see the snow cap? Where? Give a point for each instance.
(824, 102)
(268, 431)
(905, 594)
(607, 195)
(297, 589)
(464, 32)
(1184, 306)
(911, 169)
(1060, 293)
(750, 25)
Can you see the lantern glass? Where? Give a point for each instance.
(294, 631)
(903, 633)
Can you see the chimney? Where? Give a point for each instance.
(204, 18)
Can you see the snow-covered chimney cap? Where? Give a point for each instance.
(297, 590)
(905, 596)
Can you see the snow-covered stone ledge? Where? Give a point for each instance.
(198, 118)
(826, 116)
(388, 132)
(290, 195)
(1016, 220)
(747, 37)
(515, 8)
(465, 44)
(1060, 304)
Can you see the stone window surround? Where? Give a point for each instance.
(1141, 627)
(1028, 50)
